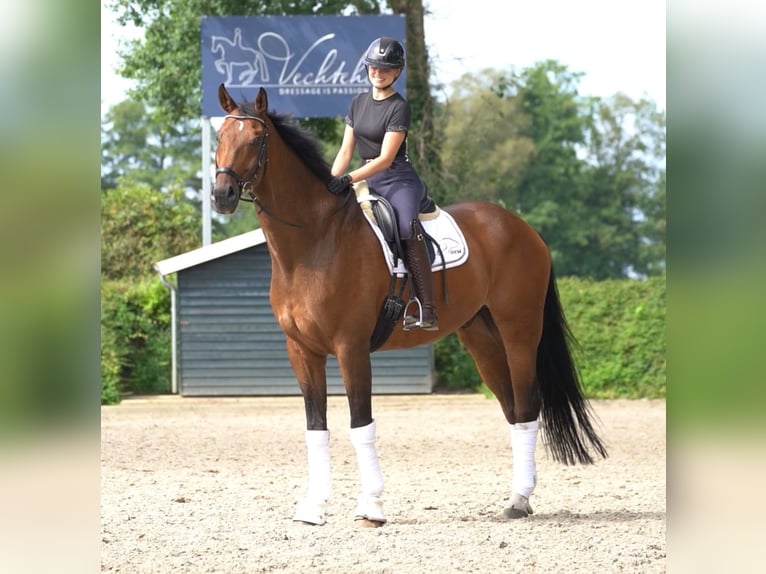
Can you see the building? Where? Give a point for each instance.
(226, 341)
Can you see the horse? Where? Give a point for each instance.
(503, 304)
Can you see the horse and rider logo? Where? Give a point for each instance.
(239, 63)
(320, 65)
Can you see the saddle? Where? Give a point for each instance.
(378, 209)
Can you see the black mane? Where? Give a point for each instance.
(300, 140)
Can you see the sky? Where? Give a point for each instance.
(619, 45)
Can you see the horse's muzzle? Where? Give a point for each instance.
(225, 198)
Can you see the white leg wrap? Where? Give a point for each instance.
(311, 508)
(523, 442)
(369, 504)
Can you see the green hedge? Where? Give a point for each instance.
(135, 338)
(619, 325)
(620, 328)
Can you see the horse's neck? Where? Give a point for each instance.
(312, 248)
(306, 224)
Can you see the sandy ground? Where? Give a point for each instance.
(209, 485)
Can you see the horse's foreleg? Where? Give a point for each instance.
(357, 378)
(369, 504)
(309, 368)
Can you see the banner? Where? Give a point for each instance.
(310, 66)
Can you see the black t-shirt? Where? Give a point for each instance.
(371, 119)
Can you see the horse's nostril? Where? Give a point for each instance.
(230, 193)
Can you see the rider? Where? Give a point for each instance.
(377, 123)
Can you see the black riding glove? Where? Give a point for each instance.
(339, 184)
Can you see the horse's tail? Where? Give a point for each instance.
(566, 413)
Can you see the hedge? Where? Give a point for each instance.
(619, 326)
(135, 338)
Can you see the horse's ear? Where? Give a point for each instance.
(226, 101)
(261, 102)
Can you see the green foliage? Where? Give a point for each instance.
(455, 368)
(136, 145)
(111, 367)
(588, 174)
(135, 332)
(140, 226)
(484, 152)
(591, 185)
(620, 328)
(625, 189)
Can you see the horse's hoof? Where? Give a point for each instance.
(370, 509)
(512, 512)
(310, 512)
(367, 523)
(519, 507)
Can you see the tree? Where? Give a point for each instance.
(484, 152)
(625, 178)
(590, 186)
(140, 226)
(626, 159)
(135, 145)
(584, 172)
(653, 228)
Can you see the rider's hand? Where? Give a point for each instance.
(339, 184)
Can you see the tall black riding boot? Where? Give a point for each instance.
(419, 266)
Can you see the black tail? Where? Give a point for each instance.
(566, 413)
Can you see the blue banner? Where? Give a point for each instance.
(310, 66)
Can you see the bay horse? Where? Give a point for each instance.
(329, 279)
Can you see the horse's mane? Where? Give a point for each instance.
(300, 140)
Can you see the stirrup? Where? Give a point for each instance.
(412, 322)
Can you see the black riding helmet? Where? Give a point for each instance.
(385, 53)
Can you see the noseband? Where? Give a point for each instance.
(248, 185)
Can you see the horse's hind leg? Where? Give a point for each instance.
(482, 340)
(521, 348)
(309, 368)
(508, 371)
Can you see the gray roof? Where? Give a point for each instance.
(210, 252)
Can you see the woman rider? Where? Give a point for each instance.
(377, 124)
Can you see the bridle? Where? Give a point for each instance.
(248, 185)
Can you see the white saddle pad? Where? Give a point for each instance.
(439, 225)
